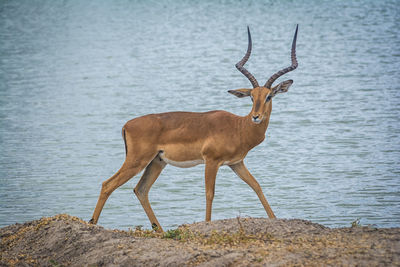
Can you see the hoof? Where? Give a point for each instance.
(157, 228)
(91, 221)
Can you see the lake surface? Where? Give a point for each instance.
(73, 72)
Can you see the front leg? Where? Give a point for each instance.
(210, 176)
(241, 170)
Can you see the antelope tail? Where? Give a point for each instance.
(124, 136)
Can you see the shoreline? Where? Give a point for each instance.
(63, 240)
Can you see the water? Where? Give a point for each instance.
(73, 72)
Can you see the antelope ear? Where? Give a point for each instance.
(240, 92)
(283, 87)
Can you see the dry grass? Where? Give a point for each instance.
(69, 241)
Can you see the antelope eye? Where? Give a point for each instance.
(268, 99)
(251, 98)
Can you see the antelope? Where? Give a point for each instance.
(186, 139)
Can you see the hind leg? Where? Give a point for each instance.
(129, 169)
(142, 189)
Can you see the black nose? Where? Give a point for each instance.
(256, 117)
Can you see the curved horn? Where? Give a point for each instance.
(240, 64)
(286, 70)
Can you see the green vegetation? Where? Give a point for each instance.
(356, 223)
(54, 263)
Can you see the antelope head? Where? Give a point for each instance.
(262, 95)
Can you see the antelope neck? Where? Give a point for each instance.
(254, 134)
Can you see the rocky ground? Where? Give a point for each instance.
(63, 240)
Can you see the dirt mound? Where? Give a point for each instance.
(254, 226)
(65, 240)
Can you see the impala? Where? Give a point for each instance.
(186, 139)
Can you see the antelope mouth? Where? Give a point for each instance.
(256, 120)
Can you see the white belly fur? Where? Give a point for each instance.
(189, 163)
(181, 164)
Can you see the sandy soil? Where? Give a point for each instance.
(63, 240)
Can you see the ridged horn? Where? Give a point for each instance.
(240, 64)
(294, 65)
